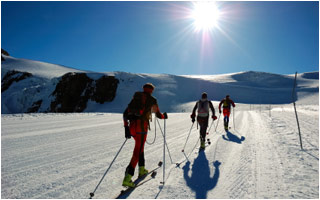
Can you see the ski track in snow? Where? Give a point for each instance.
(65, 156)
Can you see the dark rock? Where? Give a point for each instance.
(75, 89)
(12, 76)
(4, 52)
(35, 107)
(105, 89)
(71, 93)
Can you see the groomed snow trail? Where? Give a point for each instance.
(65, 156)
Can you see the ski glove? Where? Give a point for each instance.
(165, 115)
(214, 117)
(193, 117)
(127, 132)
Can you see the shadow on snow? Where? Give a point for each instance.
(200, 181)
(233, 137)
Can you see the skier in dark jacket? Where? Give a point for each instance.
(226, 102)
(136, 122)
(203, 116)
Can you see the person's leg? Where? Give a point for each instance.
(203, 130)
(133, 163)
(142, 170)
(226, 113)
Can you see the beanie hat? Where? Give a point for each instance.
(148, 87)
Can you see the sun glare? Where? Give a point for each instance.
(205, 15)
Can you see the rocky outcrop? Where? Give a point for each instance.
(4, 52)
(75, 89)
(105, 89)
(35, 107)
(13, 76)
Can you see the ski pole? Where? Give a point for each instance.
(210, 127)
(187, 137)
(187, 156)
(165, 143)
(234, 124)
(217, 123)
(92, 193)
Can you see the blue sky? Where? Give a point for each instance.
(160, 37)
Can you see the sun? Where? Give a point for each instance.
(205, 15)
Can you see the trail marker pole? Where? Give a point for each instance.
(164, 150)
(295, 110)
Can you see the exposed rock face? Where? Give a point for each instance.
(13, 76)
(35, 107)
(4, 52)
(75, 89)
(105, 89)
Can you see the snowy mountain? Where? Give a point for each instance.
(66, 155)
(32, 86)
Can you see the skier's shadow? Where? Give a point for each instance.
(233, 138)
(200, 181)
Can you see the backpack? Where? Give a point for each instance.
(139, 108)
(226, 103)
(203, 108)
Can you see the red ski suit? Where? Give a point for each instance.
(226, 106)
(139, 126)
(226, 102)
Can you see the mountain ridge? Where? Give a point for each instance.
(172, 91)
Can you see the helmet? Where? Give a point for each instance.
(228, 96)
(204, 95)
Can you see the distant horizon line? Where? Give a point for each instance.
(159, 73)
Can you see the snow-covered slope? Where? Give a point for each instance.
(65, 155)
(37, 68)
(174, 93)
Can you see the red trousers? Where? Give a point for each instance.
(138, 151)
(226, 112)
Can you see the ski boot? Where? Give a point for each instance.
(127, 182)
(142, 171)
(202, 145)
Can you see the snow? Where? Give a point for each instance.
(64, 155)
(37, 68)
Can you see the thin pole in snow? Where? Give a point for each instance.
(164, 149)
(295, 110)
(270, 110)
(234, 123)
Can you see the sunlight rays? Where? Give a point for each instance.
(202, 26)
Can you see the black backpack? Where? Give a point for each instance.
(137, 108)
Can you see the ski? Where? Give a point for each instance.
(139, 181)
(208, 142)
